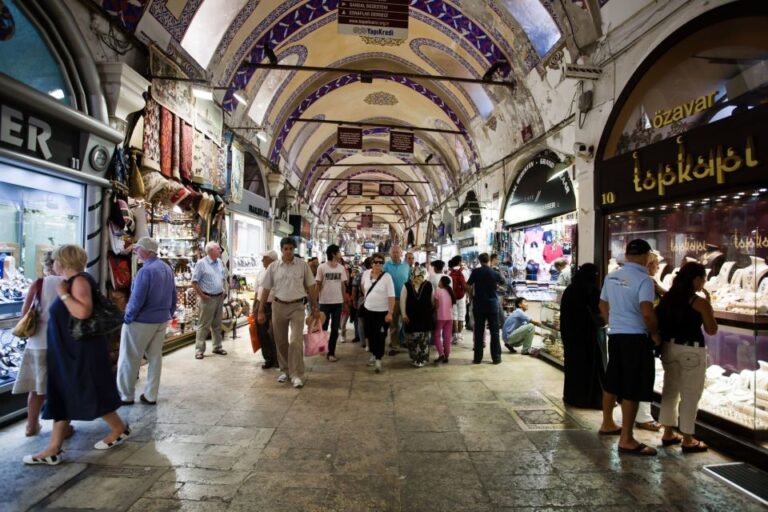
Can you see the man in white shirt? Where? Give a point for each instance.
(331, 277)
(292, 281)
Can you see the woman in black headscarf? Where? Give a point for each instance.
(580, 323)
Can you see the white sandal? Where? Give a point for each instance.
(51, 460)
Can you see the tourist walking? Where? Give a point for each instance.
(331, 278)
(444, 302)
(485, 307)
(81, 385)
(459, 285)
(626, 301)
(209, 280)
(292, 282)
(681, 314)
(399, 271)
(32, 377)
(417, 305)
(379, 290)
(150, 308)
(268, 349)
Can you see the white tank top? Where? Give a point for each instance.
(48, 295)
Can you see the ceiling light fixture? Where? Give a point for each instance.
(261, 136)
(270, 54)
(56, 93)
(429, 158)
(488, 76)
(202, 93)
(240, 96)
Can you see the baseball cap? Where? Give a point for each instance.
(271, 255)
(148, 244)
(637, 247)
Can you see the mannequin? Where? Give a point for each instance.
(9, 267)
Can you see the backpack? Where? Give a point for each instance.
(459, 284)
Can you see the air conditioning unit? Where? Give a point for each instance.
(581, 72)
(282, 228)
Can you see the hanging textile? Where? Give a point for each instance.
(176, 154)
(166, 141)
(185, 164)
(151, 139)
(200, 157)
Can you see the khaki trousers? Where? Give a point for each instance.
(209, 321)
(138, 339)
(290, 350)
(684, 373)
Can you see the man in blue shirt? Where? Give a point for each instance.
(627, 302)
(400, 271)
(208, 279)
(518, 328)
(482, 285)
(150, 308)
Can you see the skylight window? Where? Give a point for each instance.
(536, 22)
(208, 27)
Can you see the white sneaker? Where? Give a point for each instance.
(298, 383)
(377, 366)
(282, 378)
(372, 361)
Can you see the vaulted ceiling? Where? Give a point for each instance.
(222, 39)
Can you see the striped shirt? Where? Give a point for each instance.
(209, 275)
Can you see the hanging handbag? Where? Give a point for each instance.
(105, 318)
(316, 340)
(29, 323)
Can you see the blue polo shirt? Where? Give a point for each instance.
(400, 272)
(624, 290)
(518, 318)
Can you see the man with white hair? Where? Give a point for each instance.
(150, 308)
(208, 281)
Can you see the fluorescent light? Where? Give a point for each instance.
(262, 136)
(239, 95)
(203, 94)
(57, 93)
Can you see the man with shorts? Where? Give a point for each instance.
(459, 282)
(627, 302)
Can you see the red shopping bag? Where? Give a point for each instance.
(316, 340)
(254, 332)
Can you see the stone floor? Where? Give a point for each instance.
(457, 437)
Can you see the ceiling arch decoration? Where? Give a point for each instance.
(269, 85)
(492, 47)
(354, 78)
(350, 175)
(330, 144)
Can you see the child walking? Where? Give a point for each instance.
(444, 301)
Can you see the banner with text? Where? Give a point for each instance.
(385, 19)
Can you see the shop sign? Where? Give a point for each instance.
(354, 188)
(386, 189)
(709, 159)
(258, 211)
(366, 220)
(532, 197)
(663, 118)
(369, 244)
(301, 226)
(383, 19)
(38, 136)
(349, 138)
(401, 143)
(466, 242)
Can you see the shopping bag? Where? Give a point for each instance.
(254, 331)
(316, 340)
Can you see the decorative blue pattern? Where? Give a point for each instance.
(176, 27)
(353, 78)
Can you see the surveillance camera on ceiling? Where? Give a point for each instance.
(584, 150)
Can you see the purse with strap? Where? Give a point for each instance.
(362, 308)
(105, 318)
(29, 323)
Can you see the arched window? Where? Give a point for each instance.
(26, 55)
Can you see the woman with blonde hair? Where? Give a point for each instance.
(81, 385)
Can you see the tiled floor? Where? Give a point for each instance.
(455, 437)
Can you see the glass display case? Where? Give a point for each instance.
(37, 214)
(728, 234)
(181, 243)
(550, 332)
(248, 246)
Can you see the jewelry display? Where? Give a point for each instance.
(550, 320)
(11, 349)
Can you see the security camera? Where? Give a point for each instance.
(584, 150)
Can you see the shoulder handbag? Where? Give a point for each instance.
(29, 323)
(362, 305)
(105, 319)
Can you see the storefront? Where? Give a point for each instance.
(249, 231)
(683, 164)
(470, 237)
(52, 162)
